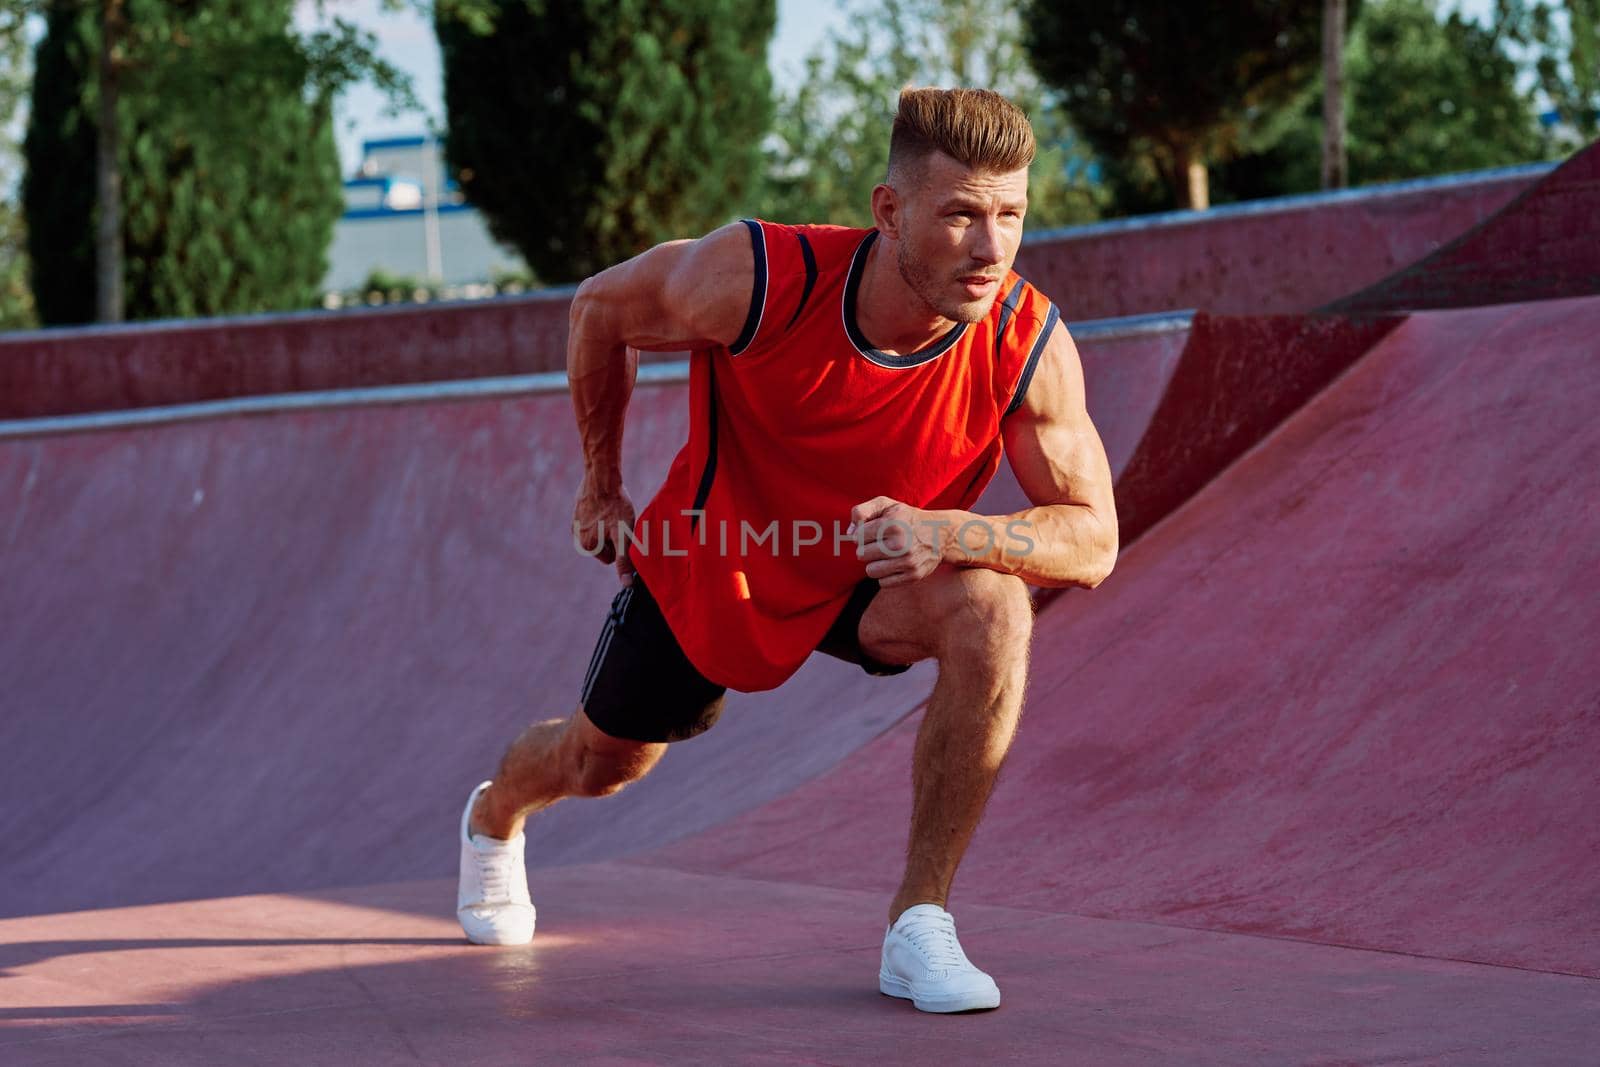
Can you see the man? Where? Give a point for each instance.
(851, 394)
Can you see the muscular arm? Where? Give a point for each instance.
(679, 295)
(1060, 462)
(1068, 536)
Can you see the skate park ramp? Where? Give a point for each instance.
(1309, 779)
(1540, 246)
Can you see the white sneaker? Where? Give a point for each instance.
(492, 899)
(923, 963)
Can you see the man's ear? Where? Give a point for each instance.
(886, 209)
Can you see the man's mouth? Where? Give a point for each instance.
(978, 285)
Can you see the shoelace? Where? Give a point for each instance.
(934, 936)
(494, 875)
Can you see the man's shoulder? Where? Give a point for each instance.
(811, 229)
(1020, 302)
(817, 235)
(800, 251)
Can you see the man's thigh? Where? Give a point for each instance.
(915, 621)
(902, 623)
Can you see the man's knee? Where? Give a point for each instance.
(990, 617)
(601, 765)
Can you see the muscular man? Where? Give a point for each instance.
(851, 394)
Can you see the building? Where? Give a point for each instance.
(405, 216)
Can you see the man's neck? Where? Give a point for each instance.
(889, 313)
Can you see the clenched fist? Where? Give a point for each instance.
(599, 521)
(899, 543)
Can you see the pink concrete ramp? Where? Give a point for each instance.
(1276, 256)
(1543, 245)
(1310, 780)
(154, 364)
(1237, 378)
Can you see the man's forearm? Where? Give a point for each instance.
(1049, 545)
(600, 371)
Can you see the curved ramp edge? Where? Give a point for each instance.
(1238, 378)
(1544, 245)
(1275, 256)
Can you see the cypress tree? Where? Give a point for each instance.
(230, 173)
(588, 130)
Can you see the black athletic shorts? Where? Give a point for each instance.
(641, 687)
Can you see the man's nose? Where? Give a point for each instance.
(987, 247)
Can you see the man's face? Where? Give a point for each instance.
(959, 233)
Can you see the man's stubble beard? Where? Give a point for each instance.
(921, 280)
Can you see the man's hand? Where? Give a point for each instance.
(900, 543)
(597, 524)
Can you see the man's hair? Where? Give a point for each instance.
(976, 127)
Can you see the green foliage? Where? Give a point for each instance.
(386, 287)
(16, 298)
(13, 82)
(832, 133)
(230, 175)
(1563, 42)
(1157, 87)
(588, 130)
(1425, 95)
(1431, 96)
(512, 280)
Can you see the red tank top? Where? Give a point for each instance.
(800, 419)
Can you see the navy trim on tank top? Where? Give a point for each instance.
(1028, 368)
(811, 277)
(857, 338)
(709, 472)
(758, 291)
(1008, 308)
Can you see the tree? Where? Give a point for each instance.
(1432, 96)
(194, 87)
(1564, 42)
(16, 299)
(1426, 95)
(1335, 160)
(1176, 87)
(223, 146)
(831, 143)
(14, 79)
(109, 14)
(588, 130)
(110, 280)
